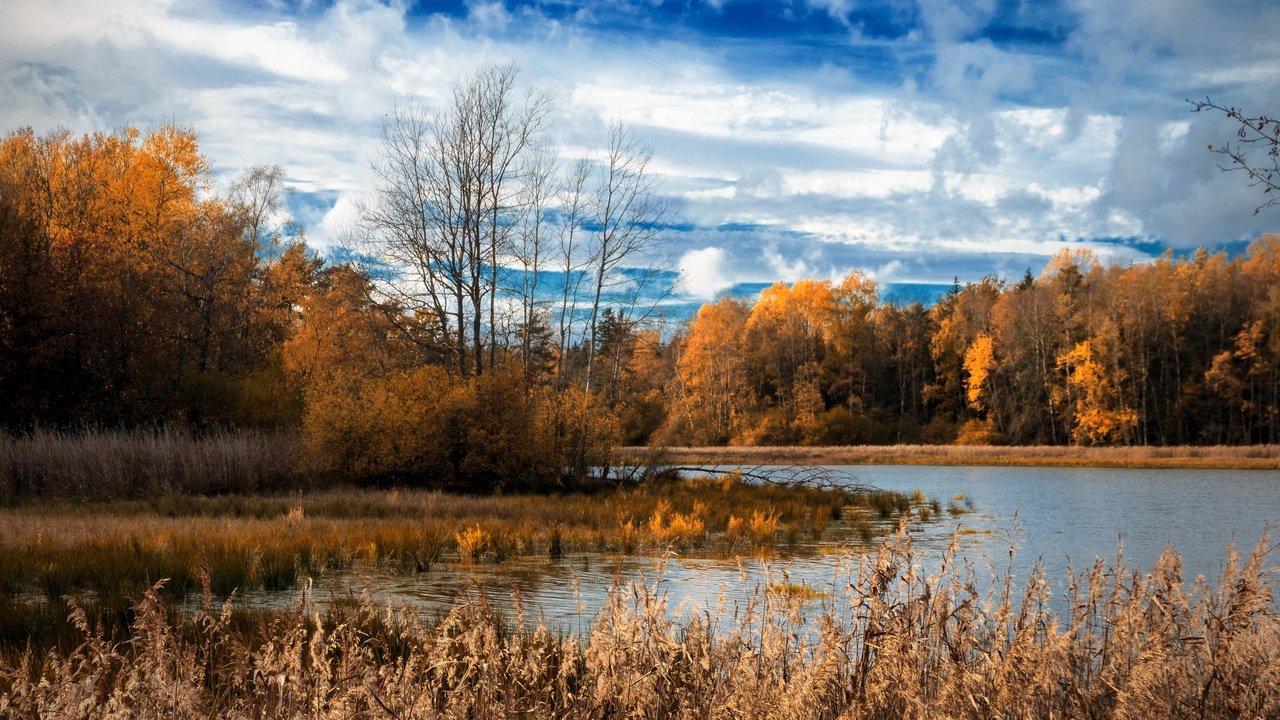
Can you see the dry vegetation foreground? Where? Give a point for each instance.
(1252, 457)
(900, 645)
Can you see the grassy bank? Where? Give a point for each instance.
(903, 644)
(1255, 457)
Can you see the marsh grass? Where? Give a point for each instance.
(1218, 456)
(108, 553)
(795, 593)
(903, 643)
(95, 464)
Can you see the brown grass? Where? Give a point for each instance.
(1221, 456)
(904, 645)
(107, 464)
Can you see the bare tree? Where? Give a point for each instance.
(258, 198)
(530, 249)
(575, 208)
(448, 190)
(504, 131)
(626, 219)
(415, 224)
(1258, 131)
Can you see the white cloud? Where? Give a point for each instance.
(342, 217)
(787, 269)
(855, 184)
(887, 272)
(702, 273)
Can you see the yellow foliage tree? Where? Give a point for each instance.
(711, 382)
(979, 361)
(1099, 416)
(787, 327)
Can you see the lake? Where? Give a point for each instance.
(1062, 516)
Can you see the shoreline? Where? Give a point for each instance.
(1219, 457)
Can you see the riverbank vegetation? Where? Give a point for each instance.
(93, 464)
(900, 643)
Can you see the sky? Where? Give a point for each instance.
(915, 140)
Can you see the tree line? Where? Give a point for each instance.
(1174, 351)
(489, 328)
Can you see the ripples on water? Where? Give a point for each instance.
(1064, 517)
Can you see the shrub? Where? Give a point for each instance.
(487, 434)
(681, 530)
(977, 432)
(379, 427)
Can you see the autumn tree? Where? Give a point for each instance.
(710, 391)
(1244, 374)
(101, 229)
(900, 367)
(979, 362)
(1099, 415)
(1027, 337)
(960, 317)
(648, 371)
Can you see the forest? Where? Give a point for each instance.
(132, 295)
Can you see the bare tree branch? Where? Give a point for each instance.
(1253, 131)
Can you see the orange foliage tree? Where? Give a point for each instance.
(126, 287)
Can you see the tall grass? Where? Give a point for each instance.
(109, 464)
(903, 644)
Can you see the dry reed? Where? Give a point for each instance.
(903, 644)
(101, 464)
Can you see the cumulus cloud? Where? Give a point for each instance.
(702, 273)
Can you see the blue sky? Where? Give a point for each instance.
(916, 140)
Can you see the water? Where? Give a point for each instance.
(1070, 516)
(1064, 517)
